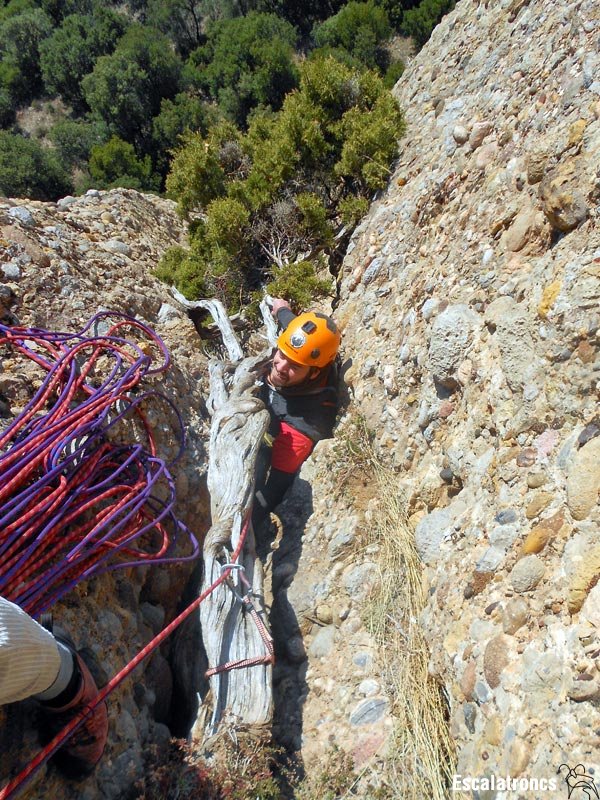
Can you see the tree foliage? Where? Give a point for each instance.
(183, 113)
(246, 62)
(360, 29)
(20, 39)
(421, 20)
(181, 20)
(74, 140)
(70, 53)
(28, 170)
(126, 88)
(115, 163)
(265, 199)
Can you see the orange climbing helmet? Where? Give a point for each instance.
(311, 339)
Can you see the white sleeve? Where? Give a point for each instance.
(29, 656)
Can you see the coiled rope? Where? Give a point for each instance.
(76, 498)
(74, 502)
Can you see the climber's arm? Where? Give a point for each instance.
(291, 448)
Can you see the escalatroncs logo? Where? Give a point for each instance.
(580, 785)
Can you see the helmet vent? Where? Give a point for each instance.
(309, 327)
(315, 353)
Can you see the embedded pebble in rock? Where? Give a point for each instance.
(11, 271)
(368, 711)
(324, 614)
(478, 133)
(460, 134)
(526, 574)
(582, 567)
(590, 611)
(23, 215)
(495, 659)
(435, 529)
(541, 501)
(451, 336)
(368, 687)
(583, 481)
(536, 479)
(563, 202)
(514, 615)
(116, 246)
(323, 643)
(358, 579)
(536, 540)
(584, 688)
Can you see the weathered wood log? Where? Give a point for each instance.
(230, 634)
(269, 322)
(219, 314)
(240, 696)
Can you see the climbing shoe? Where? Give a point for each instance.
(81, 752)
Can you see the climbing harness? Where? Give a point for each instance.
(77, 497)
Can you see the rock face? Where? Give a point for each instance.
(473, 353)
(469, 300)
(59, 265)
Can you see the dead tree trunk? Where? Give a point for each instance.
(241, 696)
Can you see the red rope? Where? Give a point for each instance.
(18, 783)
(60, 520)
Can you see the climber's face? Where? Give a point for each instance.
(285, 372)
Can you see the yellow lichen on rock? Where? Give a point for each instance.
(549, 296)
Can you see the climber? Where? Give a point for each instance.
(35, 663)
(299, 389)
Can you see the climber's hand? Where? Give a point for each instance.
(278, 304)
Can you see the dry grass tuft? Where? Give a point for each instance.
(421, 759)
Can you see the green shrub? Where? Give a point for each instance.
(420, 21)
(370, 143)
(28, 170)
(358, 28)
(20, 39)
(352, 210)
(196, 175)
(11, 80)
(246, 62)
(74, 140)
(126, 88)
(181, 114)
(69, 54)
(299, 283)
(115, 163)
(393, 73)
(265, 199)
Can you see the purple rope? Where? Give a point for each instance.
(65, 452)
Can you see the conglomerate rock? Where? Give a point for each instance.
(469, 302)
(59, 265)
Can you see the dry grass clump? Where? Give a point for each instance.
(421, 759)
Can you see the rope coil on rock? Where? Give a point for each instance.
(75, 499)
(19, 782)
